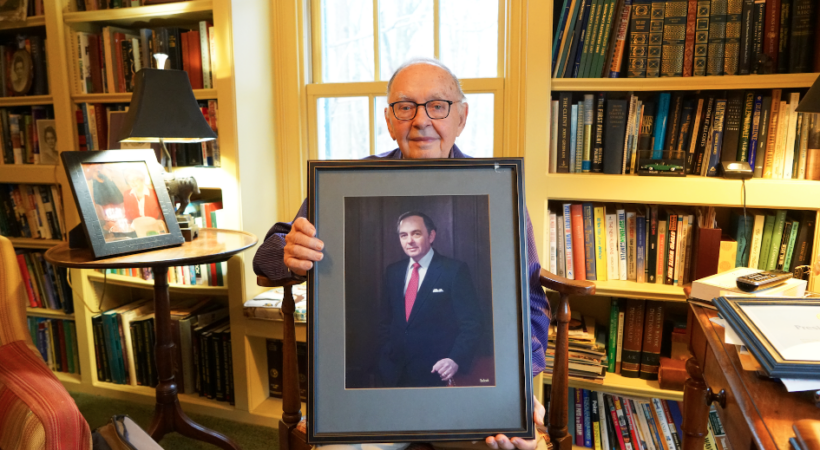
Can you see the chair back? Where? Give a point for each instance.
(13, 298)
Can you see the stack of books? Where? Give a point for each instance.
(612, 133)
(46, 286)
(31, 211)
(681, 38)
(587, 349)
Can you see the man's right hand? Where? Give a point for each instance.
(302, 247)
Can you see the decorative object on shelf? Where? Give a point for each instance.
(47, 136)
(781, 333)
(22, 73)
(122, 201)
(180, 189)
(164, 109)
(14, 11)
(409, 198)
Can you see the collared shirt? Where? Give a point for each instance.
(424, 262)
(141, 201)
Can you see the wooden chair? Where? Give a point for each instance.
(292, 438)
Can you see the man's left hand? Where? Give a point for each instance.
(501, 441)
(446, 368)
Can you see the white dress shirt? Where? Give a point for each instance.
(424, 262)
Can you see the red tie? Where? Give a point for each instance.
(412, 289)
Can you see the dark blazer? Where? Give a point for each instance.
(443, 324)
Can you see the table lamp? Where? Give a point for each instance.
(811, 102)
(164, 109)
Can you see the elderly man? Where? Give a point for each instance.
(426, 112)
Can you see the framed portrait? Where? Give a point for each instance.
(418, 316)
(47, 141)
(782, 333)
(122, 200)
(13, 10)
(22, 71)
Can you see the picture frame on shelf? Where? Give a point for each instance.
(122, 201)
(47, 138)
(13, 11)
(457, 347)
(22, 71)
(780, 332)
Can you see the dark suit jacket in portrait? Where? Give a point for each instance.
(445, 322)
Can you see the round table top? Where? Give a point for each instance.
(212, 245)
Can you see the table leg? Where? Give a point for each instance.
(695, 409)
(168, 415)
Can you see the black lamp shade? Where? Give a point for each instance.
(163, 107)
(811, 102)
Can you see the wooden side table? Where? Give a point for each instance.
(212, 245)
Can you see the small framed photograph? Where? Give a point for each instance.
(417, 314)
(122, 200)
(22, 71)
(782, 333)
(13, 10)
(47, 141)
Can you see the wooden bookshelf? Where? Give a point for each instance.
(187, 11)
(42, 244)
(68, 378)
(30, 22)
(272, 329)
(779, 81)
(26, 100)
(125, 97)
(48, 313)
(632, 387)
(30, 174)
(129, 281)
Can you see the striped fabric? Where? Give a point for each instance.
(36, 411)
(268, 262)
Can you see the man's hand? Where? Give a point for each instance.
(302, 247)
(500, 441)
(446, 368)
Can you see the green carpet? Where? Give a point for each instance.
(98, 410)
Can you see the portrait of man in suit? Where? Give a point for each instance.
(429, 324)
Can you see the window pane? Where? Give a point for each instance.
(468, 37)
(384, 143)
(477, 137)
(405, 31)
(347, 40)
(344, 127)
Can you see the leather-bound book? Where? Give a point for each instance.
(639, 38)
(652, 337)
(689, 44)
(672, 374)
(734, 24)
(802, 36)
(771, 37)
(633, 338)
(717, 37)
(707, 248)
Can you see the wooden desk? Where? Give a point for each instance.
(212, 245)
(755, 412)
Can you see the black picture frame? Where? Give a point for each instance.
(116, 227)
(774, 364)
(352, 204)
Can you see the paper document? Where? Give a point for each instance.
(793, 330)
(797, 385)
(730, 337)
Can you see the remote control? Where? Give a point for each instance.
(762, 280)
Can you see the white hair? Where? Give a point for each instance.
(432, 62)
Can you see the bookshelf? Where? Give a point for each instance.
(543, 186)
(244, 89)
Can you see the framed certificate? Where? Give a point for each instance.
(418, 316)
(782, 333)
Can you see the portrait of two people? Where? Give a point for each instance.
(418, 303)
(125, 200)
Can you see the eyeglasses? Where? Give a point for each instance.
(436, 109)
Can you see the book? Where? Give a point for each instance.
(674, 38)
(615, 128)
(614, 312)
(612, 260)
(703, 16)
(734, 25)
(568, 245)
(620, 37)
(732, 124)
(633, 334)
(653, 334)
(564, 132)
(717, 37)
(639, 38)
(598, 148)
(600, 243)
(747, 33)
(777, 236)
(578, 247)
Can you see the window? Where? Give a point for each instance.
(358, 44)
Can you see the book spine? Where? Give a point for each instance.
(587, 419)
(731, 126)
(660, 124)
(758, 36)
(802, 36)
(631, 236)
(704, 14)
(639, 38)
(686, 130)
(589, 241)
(613, 413)
(754, 137)
(578, 39)
(568, 248)
(633, 333)
(558, 39)
(620, 40)
(700, 137)
(573, 138)
(746, 38)
(717, 37)
(579, 416)
(655, 48)
(804, 120)
(777, 237)
(785, 33)
(802, 245)
(662, 423)
(612, 246)
(771, 135)
(652, 253)
(629, 443)
(579, 137)
(589, 114)
(598, 152)
(716, 139)
(746, 128)
(734, 26)
(673, 128)
(602, 43)
(615, 124)
(786, 265)
(674, 38)
(601, 266)
(566, 44)
(613, 335)
(564, 130)
(771, 36)
(660, 264)
(689, 44)
(622, 245)
(653, 334)
(640, 248)
(586, 37)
